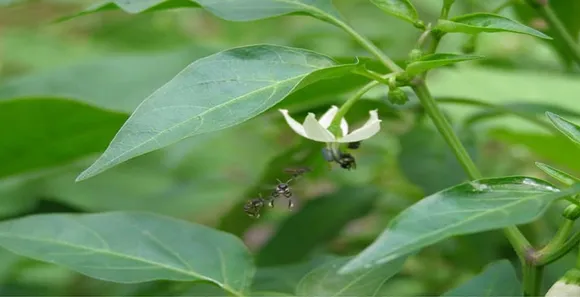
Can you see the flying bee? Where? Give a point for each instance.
(296, 172)
(346, 161)
(283, 188)
(254, 206)
(354, 145)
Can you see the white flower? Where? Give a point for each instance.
(562, 289)
(318, 130)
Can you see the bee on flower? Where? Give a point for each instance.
(320, 130)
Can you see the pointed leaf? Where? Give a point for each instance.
(431, 61)
(40, 133)
(326, 281)
(238, 11)
(130, 247)
(402, 9)
(485, 22)
(467, 208)
(567, 128)
(498, 279)
(561, 176)
(214, 93)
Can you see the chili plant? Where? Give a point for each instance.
(244, 84)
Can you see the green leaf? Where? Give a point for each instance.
(326, 281)
(402, 9)
(337, 209)
(215, 93)
(130, 247)
(498, 279)
(467, 208)
(560, 175)
(567, 128)
(238, 11)
(39, 133)
(437, 60)
(485, 22)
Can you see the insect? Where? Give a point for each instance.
(354, 145)
(346, 161)
(254, 206)
(296, 172)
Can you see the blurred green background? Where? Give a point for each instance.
(110, 61)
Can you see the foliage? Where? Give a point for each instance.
(142, 147)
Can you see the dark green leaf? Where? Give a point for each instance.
(215, 93)
(437, 60)
(239, 11)
(402, 9)
(471, 207)
(132, 247)
(326, 281)
(424, 155)
(560, 175)
(567, 128)
(485, 22)
(331, 212)
(498, 279)
(39, 133)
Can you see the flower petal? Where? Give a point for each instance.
(344, 127)
(293, 123)
(328, 116)
(370, 128)
(315, 131)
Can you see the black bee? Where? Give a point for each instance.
(253, 207)
(283, 188)
(346, 161)
(296, 172)
(354, 145)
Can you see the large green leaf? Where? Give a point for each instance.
(560, 175)
(567, 128)
(129, 247)
(326, 281)
(485, 22)
(231, 10)
(215, 93)
(467, 208)
(402, 9)
(39, 133)
(437, 60)
(337, 209)
(498, 279)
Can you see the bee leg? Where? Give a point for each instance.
(271, 202)
(290, 203)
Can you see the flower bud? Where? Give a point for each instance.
(566, 286)
(419, 24)
(397, 96)
(415, 55)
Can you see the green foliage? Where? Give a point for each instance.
(467, 208)
(258, 77)
(181, 100)
(402, 9)
(485, 23)
(498, 279)
(437, 60)
(107, 245)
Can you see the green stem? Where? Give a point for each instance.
(556, 242)
(446, 130)
(560, 251)
(373, 49)
(532, 279)
(578, 258)
(558, 28)
(343, 110)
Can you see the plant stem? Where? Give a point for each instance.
(532, 280)
(446, 130)
(558, 28)
(559, 239)
(335, 125)
(560, 251)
